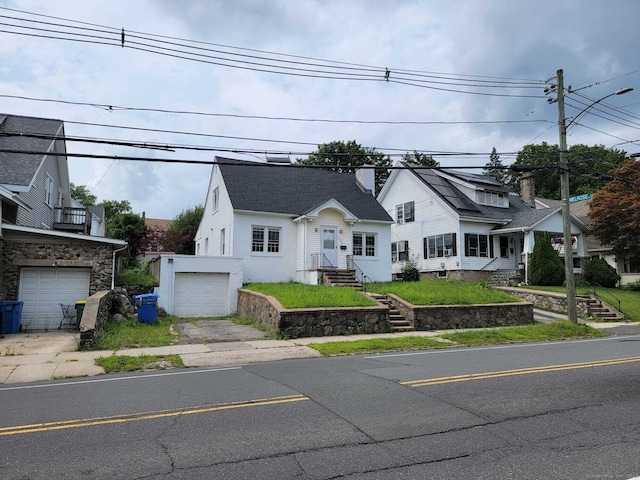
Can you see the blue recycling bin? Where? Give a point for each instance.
(11, 314)
(147, 307)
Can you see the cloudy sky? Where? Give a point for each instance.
(287, 75)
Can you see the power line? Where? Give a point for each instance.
(111, 107)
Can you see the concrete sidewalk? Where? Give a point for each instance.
(32, 357)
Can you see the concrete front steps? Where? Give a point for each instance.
(398, 322)
(599, 309)
(341, 278)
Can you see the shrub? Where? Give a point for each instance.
(545, 266)
(409, 271)
(599, 271)
(138, 276)
(634, 286)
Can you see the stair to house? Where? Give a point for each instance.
(599, 309)
(398, 322)
(341, 278)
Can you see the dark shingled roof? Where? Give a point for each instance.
(18, 168)
(294, 190)
(519, 214)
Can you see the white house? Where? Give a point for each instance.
(462, 225)
(629, 272)
(289, 222)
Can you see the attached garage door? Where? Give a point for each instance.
(201, 295)
(43, 290)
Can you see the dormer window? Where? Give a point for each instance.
(494, 199)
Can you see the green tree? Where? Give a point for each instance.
(615, 211)
(347, 157)
(113, 208)
(418, 158)
(129, 227)
(495, 169)
(186, 224)
(599, 271)
(81, 194)
(545, 266)
(586, 168)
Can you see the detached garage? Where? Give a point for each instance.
(199, 286)
(201, 294)
(44, 290)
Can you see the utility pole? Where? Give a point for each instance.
(570, 280)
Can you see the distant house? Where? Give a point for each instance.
(50, 252)
(466, 226)
(289, 222)
(152, 244)
(628, 271)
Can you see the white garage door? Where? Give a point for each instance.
(43, 290)
(201, 295)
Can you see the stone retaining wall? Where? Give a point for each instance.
(312, 322)
(441, 317)
(95, 316)
(555, 302)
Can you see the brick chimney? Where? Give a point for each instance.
(528, 188)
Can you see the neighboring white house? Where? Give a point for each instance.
(462, 225)
(289, 222)
(628, 271)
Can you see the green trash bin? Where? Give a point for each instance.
(79, 310)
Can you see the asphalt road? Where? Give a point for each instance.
(565, 410)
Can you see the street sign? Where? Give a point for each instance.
(580, 198)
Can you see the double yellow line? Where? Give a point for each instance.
(520, 371)
(134, 417)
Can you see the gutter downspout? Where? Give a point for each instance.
(113, 266)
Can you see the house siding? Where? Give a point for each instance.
(263, 267)
(40, 215)
(214, 221)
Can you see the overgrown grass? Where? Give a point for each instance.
(629, 299)
(376, 345)
(527, 333)
(444, 292)
(126, 363)
(540, 332)
(136, 276)
(298, 295)
(269, 334)
(131, 333)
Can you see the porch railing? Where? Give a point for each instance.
(319, 261)
(75, 219)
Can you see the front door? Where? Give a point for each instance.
(329, 246)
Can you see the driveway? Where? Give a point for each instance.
(211, 331)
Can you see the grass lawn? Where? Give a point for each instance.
(299, 295)
(444, 292)
(629, 300)
(126, 363)
(527, 333)
(131, 333)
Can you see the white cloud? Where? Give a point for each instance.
(593, 41)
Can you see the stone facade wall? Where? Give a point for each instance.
(555, 302)
(97, 257)
(312, 322)
(442, 317)
(95, 315)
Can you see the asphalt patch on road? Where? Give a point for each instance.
(212, 331)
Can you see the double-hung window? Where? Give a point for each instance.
(405, 212)
(443, 245)
(478, 245)
(364, 244)
(400, 251)
(215, 198)
(48, 190)
(265, 239)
